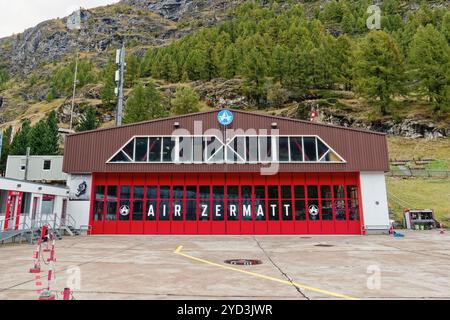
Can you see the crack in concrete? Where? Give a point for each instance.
(284, 274)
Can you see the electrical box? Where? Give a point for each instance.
(118, 56)
(420, 219)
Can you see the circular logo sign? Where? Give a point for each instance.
(225, 117)
(124, 210)
(314, 210)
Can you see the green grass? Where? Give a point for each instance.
(419, 193)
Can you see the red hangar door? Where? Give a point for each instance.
(226, 204)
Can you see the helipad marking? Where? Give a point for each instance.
(178, 251)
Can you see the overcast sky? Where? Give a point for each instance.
(18, 15)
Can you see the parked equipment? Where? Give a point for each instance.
(420, 219)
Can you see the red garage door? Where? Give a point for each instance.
(233, 204)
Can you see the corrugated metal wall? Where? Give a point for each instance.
(89, 152)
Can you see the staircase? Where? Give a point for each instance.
(30, 229)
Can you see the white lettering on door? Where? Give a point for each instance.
(151, 211)
(204, 209)
(233, 209)
(274, 207)
(287, 206)
(247, 210)
(177, 210)
(260, 212)
(218, 210)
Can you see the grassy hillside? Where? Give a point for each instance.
(420, 193)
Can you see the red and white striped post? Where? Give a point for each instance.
(36, 257)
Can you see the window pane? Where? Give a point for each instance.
(260, 192)
(265, 152)
(322, 148)
(299, 192)
(274, 213)
(246, 192)
(164, 210)
(287, 210)
(124, 210)
(205, 210)
(164, 192)
(185, 149)
(111, 210)
(283, 149)
(191, 210)
(125, 192)
(353, 210)
(191, 192)
(313, 192)
(325, 192)
(112, 192)
(247, 210)
(155, 150)
(121, 157)
(141, 150)
(152, 207)
(178, 192)
(339, 192)
(252, 149)
(168, 149)
(205, 193)
(218, 193)
(214, 150)
(237, 147)
(129, 149)
(99, 192)
(138, 210)
(286, 192)
(327, 210)
(138, 192)
(339, 209)
(218, 209)
(198, 149)
(98, 210)
(177, 210)
(233, 192)
(233, 210)
(260, 208)
(314, 210)
(352, 192)
(152, 192)
(273, 192)
(296, 149)
(300, 210)
(310, 149)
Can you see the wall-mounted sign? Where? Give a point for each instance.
(80, 187)
(225, 117)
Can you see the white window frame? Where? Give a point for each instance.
(227, 147)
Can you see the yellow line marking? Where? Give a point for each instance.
(179, 249)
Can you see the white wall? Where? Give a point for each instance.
(375, 203)
(79, 210)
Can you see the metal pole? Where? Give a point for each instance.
(27, 161)
(74, 91)
(120, 80)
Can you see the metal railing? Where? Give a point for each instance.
(417, 173)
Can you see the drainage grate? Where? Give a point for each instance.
(243, 262)
(324, 245)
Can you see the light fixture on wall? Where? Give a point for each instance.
(19, 186)
(177, 125)
(274, 125)
(40, 188)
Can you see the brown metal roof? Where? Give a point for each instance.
(89, 151)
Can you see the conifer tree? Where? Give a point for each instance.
(144, 103)
(186, 101)
(89, 120)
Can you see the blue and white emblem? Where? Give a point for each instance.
(225, 117)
